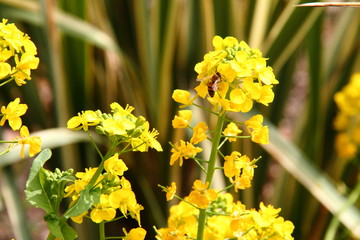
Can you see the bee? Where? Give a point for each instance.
(213, 83)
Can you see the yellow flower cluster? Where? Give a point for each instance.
(116, 192)
(226, 220)
(233, 76)
(121, 127)
(239, 169)
(17, 58)
(17, 48)
(347, 120)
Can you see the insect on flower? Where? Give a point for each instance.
(212, 83)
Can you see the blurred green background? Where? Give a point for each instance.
(137, 52)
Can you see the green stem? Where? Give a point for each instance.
(210, 171)
(102, 230)
(101, 165)
(6, 81)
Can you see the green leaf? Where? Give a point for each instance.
(34, 191)
(59, 228)
(87, 198)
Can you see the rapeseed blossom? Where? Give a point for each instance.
(121, 126)
(17, 54)
(235, 222)
(135, 234)
(13, 113)
(245, 77)
(183, 151)
(116, 192)
(347, 120)
(34, 142)
(201, 196)
(232, 78)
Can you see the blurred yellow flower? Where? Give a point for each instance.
(135, 234)
(170, 191)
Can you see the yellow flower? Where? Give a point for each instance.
(182, 96)
(33, 142)
(5, 69)
(183, 219)
(259, 133)
(114, 165)
(102, 211)
(201, 196)
(18, 49)
(22, 70)
(84, 120)
(79, 219)
(12, 113)
(184, 150)
(170, 191)
(124, 199)
(231, 130)
(146, 139)
(244, 75)
(345, 148)
(135, 234)
(183, 120)
(239, 169)
(118, 126)
(238, 102)
(79, 184)
(199, 133)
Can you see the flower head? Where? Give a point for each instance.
(182, 96)
(201, 196)
(199, 134)
(12, 113)
(102, 211)
(84, 120)
(16, 49)
(239, 169)
(231, 130)
(259, 133)
(114, 165)
(184, 150)
(244, 75)
(135, 234)
(34, 142)
(170, 191)
(183, 120)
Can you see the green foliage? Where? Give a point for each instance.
(45, 190)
